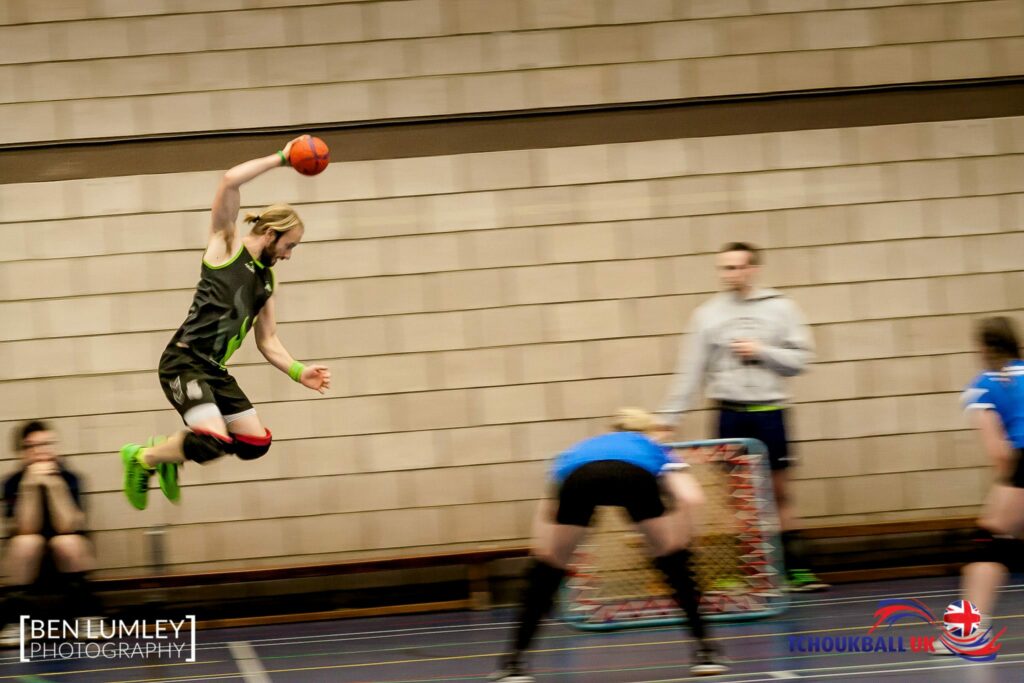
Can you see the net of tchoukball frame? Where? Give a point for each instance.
(612, 583)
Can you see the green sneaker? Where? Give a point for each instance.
(166, 472)
(805, 581)
(136, 477)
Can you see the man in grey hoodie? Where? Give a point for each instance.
(742, 344)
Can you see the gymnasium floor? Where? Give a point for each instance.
(463, 646)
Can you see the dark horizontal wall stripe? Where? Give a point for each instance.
(527, 130)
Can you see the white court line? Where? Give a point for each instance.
(311, 639)
(783, 675)
(492, 625)
(331, 638)
(248, 662)
(855, 670)
(853, 599)
(386, 633)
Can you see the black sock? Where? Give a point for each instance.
(81, 599)
(792, 551)
(543, 581)
(678, 570)
(16, 603)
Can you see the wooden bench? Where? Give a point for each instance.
(475, 562)
(932, 535)
(923, 538)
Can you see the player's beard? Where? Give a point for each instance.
(267, 257)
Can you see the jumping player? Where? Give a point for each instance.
(235, 293)
(629, 468)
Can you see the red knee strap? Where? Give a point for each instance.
(248, 447)
(215, 435)
(255, 440)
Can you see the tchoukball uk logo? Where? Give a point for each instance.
(961, 631)
(57, 639)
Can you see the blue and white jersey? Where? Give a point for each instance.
(631, 447)
(1003, 392)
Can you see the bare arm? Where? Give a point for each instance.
(993, 437)
(267, 340)
(689, 373)
(67, 516)
(28, 506)
(226, 202)
(316, 377)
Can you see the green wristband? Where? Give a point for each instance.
(295, 371)
(284, 159)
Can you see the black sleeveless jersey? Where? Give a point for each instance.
(227, 301)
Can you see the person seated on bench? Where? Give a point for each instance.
(43, 511)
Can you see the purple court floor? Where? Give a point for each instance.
(463, 646)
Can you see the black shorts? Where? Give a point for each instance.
(609, 482)
(768, 427)
(189, 382)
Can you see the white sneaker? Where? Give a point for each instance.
(10, 636)
(511, 673)
(940, 649)
(707, 662)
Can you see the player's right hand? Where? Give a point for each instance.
(288, 148)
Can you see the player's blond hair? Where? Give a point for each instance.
(632, 419)
(277, 217)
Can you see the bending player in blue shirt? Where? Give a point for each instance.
(995, 404)
(627, 468)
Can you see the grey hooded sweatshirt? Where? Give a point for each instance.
(765, 315)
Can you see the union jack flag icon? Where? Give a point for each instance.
(962, 619)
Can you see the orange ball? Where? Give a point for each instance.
(309, 155)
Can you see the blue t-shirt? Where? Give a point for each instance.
(1003, 392)
(631, 447)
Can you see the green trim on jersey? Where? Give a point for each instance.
(258, 264)
(225, 265)
(236, 341)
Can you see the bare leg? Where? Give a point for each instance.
(981, 581)
(172, 450)
(74, 556)
(554, 543)
(24, 554)
(668, 538)
(168, 451)
(553, 546)
(661, 534)
(248, 425)
(73, 553)
(1003, 515)
(675, 562)
(689, 500)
